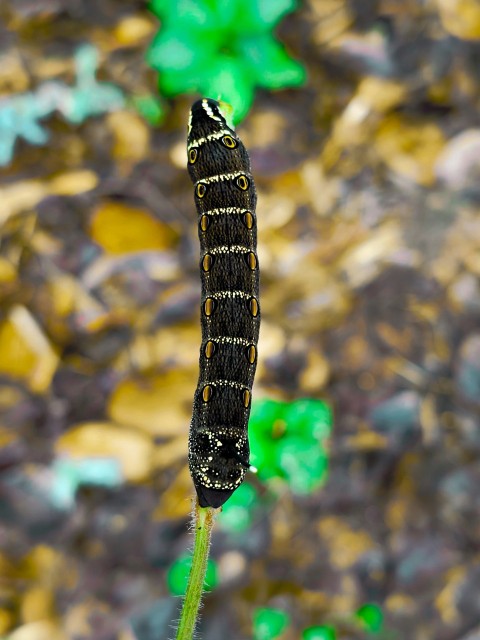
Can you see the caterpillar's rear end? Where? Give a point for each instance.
(225, 198)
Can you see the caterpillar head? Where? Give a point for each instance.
(206, 116)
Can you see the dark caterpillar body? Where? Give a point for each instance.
(225, 198)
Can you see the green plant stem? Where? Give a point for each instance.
(204, 518)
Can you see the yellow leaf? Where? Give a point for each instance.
(366, 440)
(7, 271)
(73, 182)
(37, 604)
(177, 501)
(381, 95)
(133, 30)
(461, 18)
(346, 545)
(365, 259)
(131, 135)
(44, 564)
(315, 375)
(62, 290)
(400, 604)
(20, 196)
(6, 621)
(14, 77)
(331, 19)
(6, 437)
(25, 351)
(410, 148)
(80, 618)
(157, 405)
(41, 630)
(121, 228)
(133, 450)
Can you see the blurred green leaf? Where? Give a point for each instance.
(221, 50)
(236, 515)
(268, 623)
(370, 617)
(264, 14)
(288, 440)
(319, 633)
(150, 108)
(304, 464)
(270, 64)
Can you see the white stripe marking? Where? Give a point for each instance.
(227, 210)
(221, 177)
(221, 295)
(235, 248)
(232, 340)
(208, 110)
(226, 383)
(212, 136)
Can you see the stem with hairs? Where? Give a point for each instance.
(204, 518)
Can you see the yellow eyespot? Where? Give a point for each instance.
(204, 222)
(252, 260)
(247, 396)
(209, 306)
(243, 183)
(192, 155)
(253, 307)
(248, 220)
(207, 393)
(207, 262)
(251, 353)
(229, 142)
(210, 349)
(201, 189)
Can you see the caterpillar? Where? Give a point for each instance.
(225, 198)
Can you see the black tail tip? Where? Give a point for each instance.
(214, 498)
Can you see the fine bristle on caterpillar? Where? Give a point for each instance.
(225, 197)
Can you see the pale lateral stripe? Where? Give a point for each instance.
(226, 383)
(227, 210)
(209, 112)
(230, 294)
(231, 340)
(221, 177)
(211, 136)
(235, 248)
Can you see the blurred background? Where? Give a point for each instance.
(362, 122)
